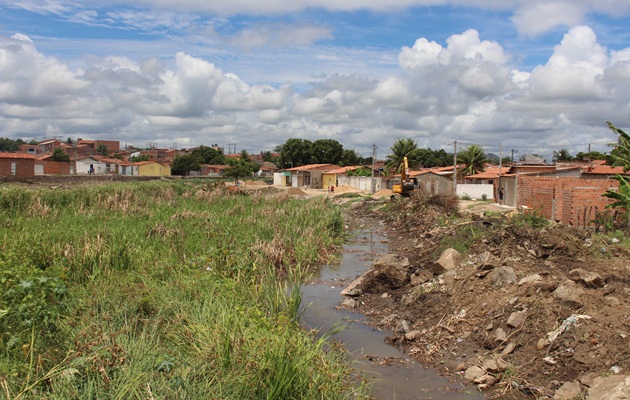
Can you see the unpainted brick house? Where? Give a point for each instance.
(17, 165)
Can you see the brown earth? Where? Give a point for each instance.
(466, 316)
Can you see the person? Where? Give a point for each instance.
(501, 196)
(91, 171)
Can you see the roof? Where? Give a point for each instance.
(489, 173)
(313, 167)
(17, 155)
(345, 169)
(604, 170)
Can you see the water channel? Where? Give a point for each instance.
(399, 379)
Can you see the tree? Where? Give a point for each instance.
(60, 155)
(182, 165)
(326, 151)
(562, 155)
(208, 155)
(428, 158)
(102, 150)
(239, 168)
(296, 152)
(475, 159)
(350, 157)
(621, 155)
(400, 149)
(69, 141)
(140, 158)
(8, 145)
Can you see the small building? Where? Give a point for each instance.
(46, 165)
(307, 175)
(18, 165)
(145, 168)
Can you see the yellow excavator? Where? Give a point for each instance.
(406, 185)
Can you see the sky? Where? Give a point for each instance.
(522, 76)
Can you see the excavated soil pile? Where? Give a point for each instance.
(345, 189)
(296, 192)
(526, 308)
(255, 183)
(383, 193)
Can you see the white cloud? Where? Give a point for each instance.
(533, 18)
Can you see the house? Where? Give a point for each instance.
(92, 145)
(594, 171)
(212, 170)
(145, 168)
(46, 165)
(19, 165)
(101, 165)
(306, 175)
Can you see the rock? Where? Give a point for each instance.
(570, 293)
(413, 335)
(388, 272)
(616, 387)
(508, 349)
(530, 279)
(395, 323)
(487, 261)
(542, 343)
(499, 335)
(516, 319)
(449, 259)
(494, 365)
(473, 373)
(460, 367)
(587, 278)
(568, 391)
(348, 302)
(421, 276)
(612, 300)
(402, 326)
(503, 276)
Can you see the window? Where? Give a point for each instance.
(13, 168)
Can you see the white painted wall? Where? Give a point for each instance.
(475, 191)
(361, 182)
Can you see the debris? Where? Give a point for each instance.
(530, 279)
(614, 387)
(587, 278)
(503, 276)
(473, 373)
(566, 326)
(568, 391)
(516, 319)
(570, 293)
(449, 259)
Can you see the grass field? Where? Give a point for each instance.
(163, 290)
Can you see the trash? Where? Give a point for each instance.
(550, 360)
(615, 369)
(567, 325)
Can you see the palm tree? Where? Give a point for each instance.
(475, 159)
(399, 150)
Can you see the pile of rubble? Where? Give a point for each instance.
(541, 310)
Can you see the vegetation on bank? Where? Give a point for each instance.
(162, 290)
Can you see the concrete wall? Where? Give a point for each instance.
(361, 182)
(475, 191)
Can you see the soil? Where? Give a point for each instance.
(466, 316)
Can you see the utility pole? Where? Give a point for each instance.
(455, 168)
(373, 165)
(500, 165)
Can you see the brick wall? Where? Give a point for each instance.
(24, 167)
(568, 200)
(56, 167)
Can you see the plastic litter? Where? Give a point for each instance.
(567, 325)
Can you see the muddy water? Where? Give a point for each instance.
(394, 375)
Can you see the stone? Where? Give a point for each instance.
(569, 293)
(568, 391)
(534, 278)
(616, 387)
(587, 278)
(473, 373)
(348, 302)
(449, 259)
(612, 300)
(460, 367)
(508, 349)
(388, 272)
(516, 319)
(500, 335)
(413, 335)
(421, 276)
(488, 261)
(503, 276)
(541, 344)
(494, 365)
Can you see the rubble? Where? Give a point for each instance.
(544, 301)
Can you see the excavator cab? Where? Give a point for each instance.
(406, 185)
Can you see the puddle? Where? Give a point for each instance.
(396, 376)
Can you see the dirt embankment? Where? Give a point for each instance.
(525, 310)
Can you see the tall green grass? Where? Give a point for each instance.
(163, 290)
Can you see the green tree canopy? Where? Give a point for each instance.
(326, 151)
(475, 159)
(182, 165)
(102, 150)
(562, 155)
(400, 149)
(296, 152)
(428, 158)
(208, 155)
(621, 155)
(9, 145)
(140, 158)
(60, 155)
(240, 168)
(350, 157)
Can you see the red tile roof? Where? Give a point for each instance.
(604, 170)
(17, 155)
(313, 167)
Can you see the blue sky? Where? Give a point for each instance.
(530, 75)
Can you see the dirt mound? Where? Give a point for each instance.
(384, 193)
(296, 192)
(345, 189)
(548, 303)
(255, 183)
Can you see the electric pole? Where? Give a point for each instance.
(455, 168)
(373, 165)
